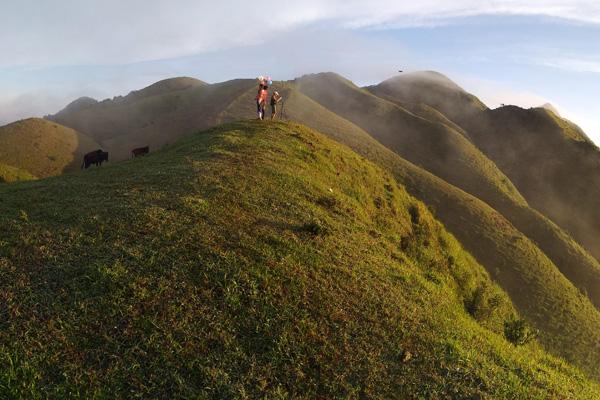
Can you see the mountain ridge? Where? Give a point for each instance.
(510, 239)
(338, 283)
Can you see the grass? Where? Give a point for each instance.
(552, 163)
(434, 90)
(12, 174)
(43, 148)
(434, 146)
(521, 142)
(569, 322)
(155, 116)
(191, 274)
(519, 246)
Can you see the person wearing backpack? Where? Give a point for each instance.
(275, 100)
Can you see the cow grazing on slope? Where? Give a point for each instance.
(141, 151)
(95, 157)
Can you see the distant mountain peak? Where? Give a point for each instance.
(81, 103)
(167, 86)
(426, 77)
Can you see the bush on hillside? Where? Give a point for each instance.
(315, 227)
(518, 332)
(482, 302)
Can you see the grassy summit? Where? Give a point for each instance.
(433, 89)
(253, 260)
(43, 148)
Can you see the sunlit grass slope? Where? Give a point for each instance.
(43, 148)
(12, 174)
(254, 260)
(464, 166)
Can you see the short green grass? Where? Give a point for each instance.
(552, 279)
(254, 260)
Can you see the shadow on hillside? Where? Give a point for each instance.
(84, 145)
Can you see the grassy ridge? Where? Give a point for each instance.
(570, 258)
(550, 301)
(504, 253)
(250, 261)
(432, 89)
(549, 159)
(520, 141)
(155, 116)
(552, 162)
(43, 148)
(434, 146)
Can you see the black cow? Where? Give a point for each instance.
(141, 151)
(95, 157)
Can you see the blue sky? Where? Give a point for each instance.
(502, 51)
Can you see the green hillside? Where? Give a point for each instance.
(12, 174)
(551, 161)
(43, 148)
(512, 258)
(154, 116)
(571, 259)
(434, 146)
(432, 89)
(550, 278)
(255, 260)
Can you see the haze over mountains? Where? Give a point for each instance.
(517, 188)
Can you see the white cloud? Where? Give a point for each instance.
(63, 32)
(573, 64)
(284, 56)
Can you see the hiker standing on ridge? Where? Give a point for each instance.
(261, 100)
(275, 99)
(262, 96)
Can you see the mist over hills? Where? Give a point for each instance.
(516, 187)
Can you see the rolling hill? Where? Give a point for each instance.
(552, 162)
(463, 166)
(254, 260)
(549, 277)
(154, 116)
(432, 89)
(43, 148)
